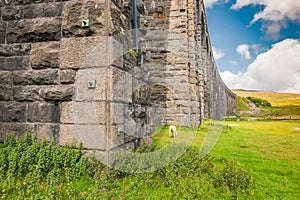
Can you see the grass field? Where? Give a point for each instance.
(251, 160)
(269, 149)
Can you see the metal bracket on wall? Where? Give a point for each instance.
(160, 9)
(85, 23)
(92, 84)
(120, 131)
(140, 59)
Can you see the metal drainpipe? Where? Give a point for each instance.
(136, 49)
(108, 81)
(135, 26)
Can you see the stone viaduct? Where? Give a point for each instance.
(77, 70)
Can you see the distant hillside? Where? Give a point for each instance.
(283, 105)
(275, 98)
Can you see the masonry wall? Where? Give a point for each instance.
(46, 60)
(181, 66)
(48, 57)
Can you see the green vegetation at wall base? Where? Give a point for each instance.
(251, 160)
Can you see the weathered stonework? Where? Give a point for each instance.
(51, 51)
(44, 55)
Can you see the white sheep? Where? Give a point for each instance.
(172, 131)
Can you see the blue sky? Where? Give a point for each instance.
(256, 43)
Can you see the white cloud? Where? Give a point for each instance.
(243, 50)
(218, 53)
(272, 29)
(233, 62)
(278, 69)
(211, 3)
(256, 48)
(275, 13)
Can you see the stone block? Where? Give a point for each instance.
(66, 113)
(77, 10)
(43, 10)
(141, 94)
(36, 77)
(14, 63)
(49, 132)
(45, 55)
(117, 113)
(68, 135)
(34, 30)
(84, 52)
(120, 19)
(11, 13)
(40, 93)
(6, 93)
(24, 2)
(93, 112)
(115, 138)
(44, 112)
(91, 136)
(83, 93)
(12, 111)
(6, 85)
(16, 129)
(129, 122)
(121, 86)
(67, 76)
(27, 93)
(117, 54)
(139, 74)
(15, 49)
(57, 93)
(53, 9)
(2, 32)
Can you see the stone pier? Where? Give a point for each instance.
(69, 73)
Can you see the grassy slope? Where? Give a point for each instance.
(275, 98)
(240, 103)
(285, 105)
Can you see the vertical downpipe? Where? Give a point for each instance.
(108, 81)
(135, 47)
(135, 26)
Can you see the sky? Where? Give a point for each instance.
(256, 43)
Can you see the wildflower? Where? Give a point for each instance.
(105, 190)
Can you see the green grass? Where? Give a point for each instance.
(271, 150)
(287, 111)
(251, 160)
(240, 104)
